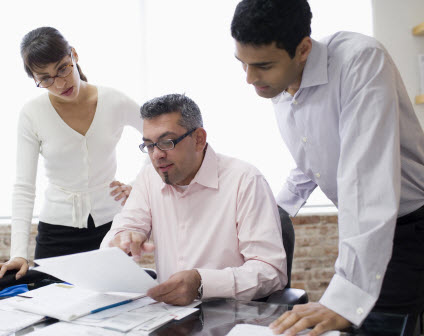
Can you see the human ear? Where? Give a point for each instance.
(200, 138)
(303, 50)
(74, 55)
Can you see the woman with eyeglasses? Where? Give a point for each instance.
(75, 126)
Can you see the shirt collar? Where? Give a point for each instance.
(207, 175)
(315, 71)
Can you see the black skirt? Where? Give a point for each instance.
(57, 240)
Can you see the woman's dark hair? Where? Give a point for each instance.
(261, 22)
(43, 46)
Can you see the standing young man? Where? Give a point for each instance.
(344, 114)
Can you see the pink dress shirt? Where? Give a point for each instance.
(225, 224)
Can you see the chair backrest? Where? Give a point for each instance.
(288, 296)
(288, 241)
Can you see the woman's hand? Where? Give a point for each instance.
(18, 263)
(122, 191)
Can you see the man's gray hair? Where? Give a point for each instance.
(191, 117)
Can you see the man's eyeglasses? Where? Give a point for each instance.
(62, 73)
(164, 145)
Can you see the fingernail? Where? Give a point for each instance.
(18, 276)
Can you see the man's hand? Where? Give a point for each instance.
(122, 190)
(180, 289)
(18, 263)
(132, 242)
(306, 316)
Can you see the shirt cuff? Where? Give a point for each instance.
(217, 283)
(348, 300)
(19, 245)
(289, 202)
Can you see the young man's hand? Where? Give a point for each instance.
(306, 316)
(132, 242)
(180, 289)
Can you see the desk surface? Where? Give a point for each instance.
(218, 317)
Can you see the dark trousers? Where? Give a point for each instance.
(403, 285)
(57, 240)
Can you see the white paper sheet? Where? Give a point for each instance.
(256, 330)
(69, 329)
(142, 319)
(105, 270)
(66, 302)
(13, 320)
(117, 310)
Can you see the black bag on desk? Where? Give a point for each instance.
(34, 279)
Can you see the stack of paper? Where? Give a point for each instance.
(148, 316)
(70, 329)
(137, 322)
(101, 279)
(107, 297)
(12, 320)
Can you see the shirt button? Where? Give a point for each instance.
(359, 311)
(294, 102)
(305, 139)
(378, 276)
(318, 175)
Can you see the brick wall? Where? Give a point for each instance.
(314, 255)
(5, 241)
(315, 252)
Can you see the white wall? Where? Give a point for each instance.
(393, 23)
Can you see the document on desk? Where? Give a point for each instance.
(69, 329)
(12, 320)
(68, 302)
(141, 319)
(100, 279)
(105, 270)
(256, 330)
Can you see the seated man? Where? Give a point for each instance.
(214, 220)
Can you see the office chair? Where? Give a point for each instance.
(288, 295)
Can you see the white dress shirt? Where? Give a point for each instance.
(352, 130)
(79, 167)
(225, 224)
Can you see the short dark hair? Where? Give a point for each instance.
(191, 117)
(43, 46)
(262, 22)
